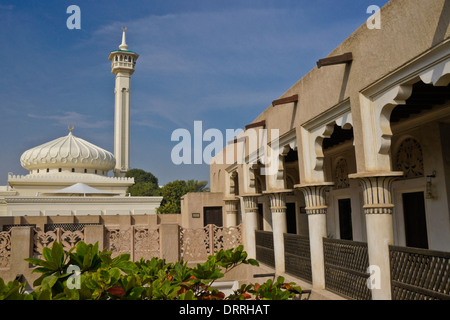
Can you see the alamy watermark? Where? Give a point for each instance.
(374, 280)
(74, 281)
(74, 20)
(374, 21)
(190, 148)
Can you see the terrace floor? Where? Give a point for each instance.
(264, 269)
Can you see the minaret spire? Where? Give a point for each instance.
(124, 45)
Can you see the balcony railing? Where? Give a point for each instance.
(419, 274)
(346, 264)
(297, 254)
(264, 247)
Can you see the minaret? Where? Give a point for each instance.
(123, 62)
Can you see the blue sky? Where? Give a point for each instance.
(221, 62)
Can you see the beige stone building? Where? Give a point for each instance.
(343, 181)
(68, 176)
(354, 156)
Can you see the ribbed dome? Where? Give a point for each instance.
(68, 152)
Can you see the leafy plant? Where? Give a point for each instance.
(101, 277)
(14, 290)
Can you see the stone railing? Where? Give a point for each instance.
(63, 177)
(166, 241)
(297, 252)
(46, 239)
(138, 241)
(419, 274)
(265, 252)
(346, 265)
(198, 244)
(22, 242)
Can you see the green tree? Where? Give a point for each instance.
(173, 191)
(145, 183)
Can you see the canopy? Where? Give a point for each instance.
(82, 189)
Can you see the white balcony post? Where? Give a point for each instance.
(316, 208)
(250, 224)
(279, 224)
(380, 232)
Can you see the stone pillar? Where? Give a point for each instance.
(231, 209)
(279, 227)
(93, 234)
(250, 223)
(21, 249)
(169, 242)
(380, 232)
(316, 208)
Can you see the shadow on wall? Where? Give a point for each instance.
(443, 24)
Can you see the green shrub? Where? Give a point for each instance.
(101, 277)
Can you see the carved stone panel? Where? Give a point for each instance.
(341, 180)
(5, 249)
(409, 159)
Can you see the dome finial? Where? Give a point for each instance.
(70, 128)
(124, 45)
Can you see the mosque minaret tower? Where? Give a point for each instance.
(123, 62)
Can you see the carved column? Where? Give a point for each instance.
(316, 208)
(279, 225)
(380, 232)
(231, 209)
(250, 223)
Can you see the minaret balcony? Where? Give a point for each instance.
(122, 65)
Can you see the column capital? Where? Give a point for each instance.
(251, 202)
(377, 190)
(278, 200)
(315, 198)
(231, 205)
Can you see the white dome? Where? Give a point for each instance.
(68, 152)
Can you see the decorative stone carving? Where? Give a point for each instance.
(341, 179)
(277, 202)
(5, 249)
(438, 75)
(227, 238)
(198, 244)
(195, 244)
(46, 239)
(139, 242)
(146, 243)
(384, 106)
(251, 203)
(70, 238)
(231, 206)
(377, 191)
(409, 159)
(315, 197)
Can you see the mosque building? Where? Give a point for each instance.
(69, 176)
